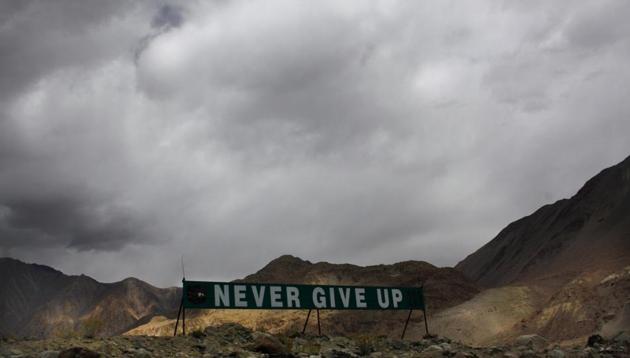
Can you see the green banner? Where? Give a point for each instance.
(224, 295)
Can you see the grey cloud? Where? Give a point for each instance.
(37, 38)
(595, 27)
(168, 16)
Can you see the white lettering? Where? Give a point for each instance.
(396, 297)
(222, 296)
(345, 296)
(239, 296)
(332, 297)
(258, 295)
(359, 294)
(319, 297)
(276, 298)
(383, 297)
(293, 299)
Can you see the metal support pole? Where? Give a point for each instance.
(319, 328)
(179, 312)
(406, 323)
(426, 322)
(425, 312)
(306, 322)
(184, 320)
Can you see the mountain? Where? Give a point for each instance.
(39, 301)
(567, 266)
(587, 233)
(444, 287)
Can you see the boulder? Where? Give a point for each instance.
(556, 353)
(531, 341)
(267, 343)
(595, 340)
(78, 352)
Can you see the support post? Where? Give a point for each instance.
(425, 313)
(184, 320)
(319, 328)
(426, 322)
(406, 323)
(306, 322)
(179, 312)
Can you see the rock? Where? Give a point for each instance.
(532, 341)
(556, 353)
(78, 352)
(594, 340)
(622, 338)
(495, 350)
(230, 333)
(336, 353)
(528, 353)
(398, 344)
(446, 347)
(432, 351)
(433, 348)
(588, 352)
(266, 343)
(141, 353)
(49, 354)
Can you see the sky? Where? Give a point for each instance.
(228, 133)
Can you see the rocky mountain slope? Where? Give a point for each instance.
(573, 256)
(444, 287)
(586, 233)
(39, 301)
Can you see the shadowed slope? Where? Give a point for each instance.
(39, 301)
(588, 232)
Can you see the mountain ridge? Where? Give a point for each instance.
(38, 300)
(592, 227)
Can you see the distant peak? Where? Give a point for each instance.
(288, 259)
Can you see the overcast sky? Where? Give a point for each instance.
(231, 132)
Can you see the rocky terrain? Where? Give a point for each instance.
(234, 340)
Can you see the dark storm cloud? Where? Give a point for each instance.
(168, 16)
(233, 132)
(69, 222)
(38, 37)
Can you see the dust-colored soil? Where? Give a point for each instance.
(480, 320)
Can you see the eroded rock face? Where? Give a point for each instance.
(237, 341)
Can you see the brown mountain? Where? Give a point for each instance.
(587, 233)
(39, 301)
(567, 265)
(444, 287)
